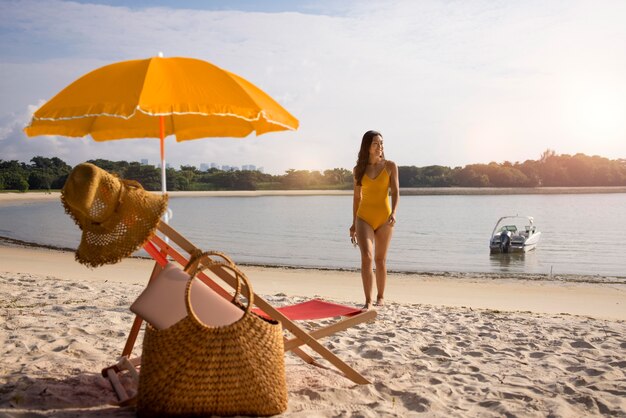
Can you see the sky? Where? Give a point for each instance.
(447, 82)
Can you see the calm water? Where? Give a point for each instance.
(581, 234)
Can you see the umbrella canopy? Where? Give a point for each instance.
(158, 97)
(196, 99)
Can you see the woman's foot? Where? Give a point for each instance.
(380, 302)
(367, 306)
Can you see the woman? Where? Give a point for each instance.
(373, 218)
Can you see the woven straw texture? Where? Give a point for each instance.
(116, 216)
(191, 369)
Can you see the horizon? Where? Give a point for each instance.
(447, 83)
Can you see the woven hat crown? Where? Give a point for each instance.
(91, 193)
(116, 216)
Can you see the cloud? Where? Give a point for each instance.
(16, 146)
(447, 82)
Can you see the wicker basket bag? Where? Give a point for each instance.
(191, 369)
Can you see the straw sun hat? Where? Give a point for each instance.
(116, 216)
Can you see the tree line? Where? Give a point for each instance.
(550, 170)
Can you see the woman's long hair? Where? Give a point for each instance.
(364, 154)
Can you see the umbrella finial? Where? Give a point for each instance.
(160, 54)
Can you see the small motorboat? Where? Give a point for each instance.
(514, 234)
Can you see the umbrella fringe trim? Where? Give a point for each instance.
(258, 117)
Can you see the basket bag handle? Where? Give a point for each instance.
(194, 266)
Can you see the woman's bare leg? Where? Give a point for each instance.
(365, 237)
(382, 240)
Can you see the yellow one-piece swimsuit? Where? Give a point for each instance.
(374, 207)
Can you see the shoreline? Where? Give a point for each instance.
(456, 275)
(502, 292)
(24, 197)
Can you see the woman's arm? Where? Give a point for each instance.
(356, 201)
(394, 185)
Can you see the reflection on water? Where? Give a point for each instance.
(514, 262)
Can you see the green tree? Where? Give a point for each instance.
(502, 175)
(223, 180)
(408, 176)
(467, 177)
(436, 176)
(113, 167)
(301, 179)
(148, 175)
(551, 170)
(339, 177)
(40, 179)
(244, 180)
(15, 175)
(531, 170)
(14, 181)
(189, 172)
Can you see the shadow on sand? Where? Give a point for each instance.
(82, 395)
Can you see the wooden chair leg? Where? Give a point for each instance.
(132, 336)
(127, 367)
(121, 393)
(124, 364)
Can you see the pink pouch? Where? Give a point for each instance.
(162, 303)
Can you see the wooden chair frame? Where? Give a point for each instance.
(301, 337)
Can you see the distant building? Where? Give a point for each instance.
(214, 165)
(204, 167)
(261, 170)
(144, 161)
(244, 167)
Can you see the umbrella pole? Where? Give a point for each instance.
(163, 178)
(162, 140)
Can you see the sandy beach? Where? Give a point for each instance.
(13, 197)
(443, 346)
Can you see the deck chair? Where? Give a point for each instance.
(178, 248)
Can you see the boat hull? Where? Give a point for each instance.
(516, 247)
(512, 249)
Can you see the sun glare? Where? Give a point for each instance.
(595, 110)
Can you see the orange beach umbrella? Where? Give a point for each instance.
(157, 97)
